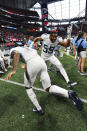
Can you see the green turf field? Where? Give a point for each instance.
(60, 114)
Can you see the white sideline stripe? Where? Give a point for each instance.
(83, 100)
(16, 83)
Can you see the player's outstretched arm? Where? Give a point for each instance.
(10, 75)
(36, 45)
(66, 44)
(38, 39)
(15, 63)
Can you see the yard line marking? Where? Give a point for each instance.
(68, 55)
(20, 84)
(83, 100)
(35, 88)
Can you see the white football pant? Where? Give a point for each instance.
(34, 67)
(57, 63)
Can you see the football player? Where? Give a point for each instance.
(48, 46)
(35, 65)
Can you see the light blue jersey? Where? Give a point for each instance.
(83, 44)
(73, 40)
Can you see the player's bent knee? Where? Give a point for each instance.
(47, 89)
(57, 64)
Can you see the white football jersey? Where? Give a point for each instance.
(26, 52)
(48, 46)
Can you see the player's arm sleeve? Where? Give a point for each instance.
(44, 36)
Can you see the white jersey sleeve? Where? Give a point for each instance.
(59, 39)
(44, 36)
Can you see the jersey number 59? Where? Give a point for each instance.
(47, 49)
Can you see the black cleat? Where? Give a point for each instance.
(41, 112)
(77, 102)
(70, 84)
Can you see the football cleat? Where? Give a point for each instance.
(5, 70)
(76, 101)
(1, 72)
(70, 84)
(41, 112)
(57, 72)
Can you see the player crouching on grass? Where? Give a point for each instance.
(35, 65)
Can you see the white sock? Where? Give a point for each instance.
(58, 90)
(63, 72)
(33, 98)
